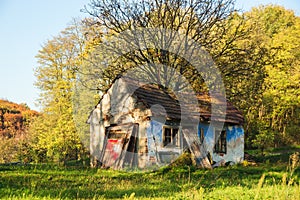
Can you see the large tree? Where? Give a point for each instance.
(172, 43)
(163, 37)
(253, 52)
(157, 35)
(55, 132)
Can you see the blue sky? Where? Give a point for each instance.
(26, 25)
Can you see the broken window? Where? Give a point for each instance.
(115, 132)
(171, 136)
(220, 142)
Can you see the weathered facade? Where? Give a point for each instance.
(140, 125)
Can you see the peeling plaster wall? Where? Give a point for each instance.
(156, 152)
(235, 144)
(114, 108)
(154, 140)
(96, 132)
(234, 140)
(118, 106)
(118, 103)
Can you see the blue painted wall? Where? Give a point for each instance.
(154, 139)
(234, 138)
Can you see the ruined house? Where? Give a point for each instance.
(139, 125)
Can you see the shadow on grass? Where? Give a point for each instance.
(275, 156)
(52, 181)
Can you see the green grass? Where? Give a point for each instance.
(268, 180)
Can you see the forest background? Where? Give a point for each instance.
(257, 53)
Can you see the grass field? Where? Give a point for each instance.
(272, 178)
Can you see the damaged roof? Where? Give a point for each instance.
(155, 97)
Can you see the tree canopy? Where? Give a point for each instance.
(256, 53)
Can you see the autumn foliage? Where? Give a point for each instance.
(14, 124)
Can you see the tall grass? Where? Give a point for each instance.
(265, 181)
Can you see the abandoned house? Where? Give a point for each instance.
(144, 128)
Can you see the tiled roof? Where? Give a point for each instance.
(153, 94)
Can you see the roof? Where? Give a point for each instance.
(153, 94)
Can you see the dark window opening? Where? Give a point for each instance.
(220, 142)
(167, 136)
(171, 136)
(115, 133)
